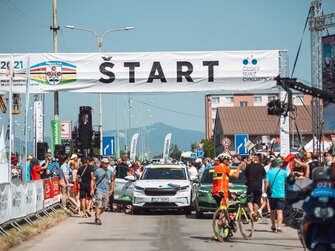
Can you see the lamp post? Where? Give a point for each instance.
(99, 44)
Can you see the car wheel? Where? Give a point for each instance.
(199, 214)
(136, 211)
(188, 210)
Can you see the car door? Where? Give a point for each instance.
(123, 189)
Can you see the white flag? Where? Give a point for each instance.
(167, 144)
(133, 146)
(4, 172)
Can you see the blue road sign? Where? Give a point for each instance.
(200, 153)
(240, 144)
(108, 146)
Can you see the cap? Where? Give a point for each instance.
(90, 159)
(279, 161)
(29, 157)
(198, 160)
(73, 156)
(104, 160)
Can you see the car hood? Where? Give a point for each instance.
(162, 183)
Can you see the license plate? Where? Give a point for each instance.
(160, 199)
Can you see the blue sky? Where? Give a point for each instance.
(173, 25)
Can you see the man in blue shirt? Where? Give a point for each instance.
(275, 179)
(104, 188)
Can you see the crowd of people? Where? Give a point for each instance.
(88, 183)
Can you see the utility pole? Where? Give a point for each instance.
(55, 28)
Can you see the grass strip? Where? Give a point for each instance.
(15, 237)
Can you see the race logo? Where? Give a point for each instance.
(250, 68)
(53, 73)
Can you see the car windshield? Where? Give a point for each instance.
(164, 174)
(207, 178)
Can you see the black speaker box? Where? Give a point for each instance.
(42, 149)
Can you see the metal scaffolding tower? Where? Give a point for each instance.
(317, 23)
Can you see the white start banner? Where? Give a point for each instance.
(141, 71)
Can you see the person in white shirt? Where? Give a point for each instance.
(192, 171)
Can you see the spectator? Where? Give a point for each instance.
(254, 175)
(65, 177)
(29, 157)
(85, 181)
(275, 180)
(45, 173)
(104, 188)
(192, 171)
(300, 167)
(200, 166)
(35, 169)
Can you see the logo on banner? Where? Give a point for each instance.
(53, 73)
(250, 69)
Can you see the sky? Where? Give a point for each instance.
(174, 25)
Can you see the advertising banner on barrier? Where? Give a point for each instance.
(5, 202)
(142, 71)
(30, 191)
(18, 201)
(39, 194)
(56, 189)
(48, 192)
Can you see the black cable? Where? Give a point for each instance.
(296, 58)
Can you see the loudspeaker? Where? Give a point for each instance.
(96, 142)
(85, 126)
(59, 150)
(42, 149)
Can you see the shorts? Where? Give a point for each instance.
(85, 191)
(277, 203)
(101, 200)
(254, 195)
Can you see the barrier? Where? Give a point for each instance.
(20, 200)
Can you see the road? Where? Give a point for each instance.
(154, 231)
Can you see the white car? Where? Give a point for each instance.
(163, 187)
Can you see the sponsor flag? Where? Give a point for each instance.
(55, 135)
(133, 147)
(167, 144)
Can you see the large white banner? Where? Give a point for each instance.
(38, 122)
(133, 146)
(142, 71)
(31, 198)
(4, 165)
(167, 144)
(5, 202)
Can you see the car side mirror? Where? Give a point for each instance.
(197, 181)
(130, 178)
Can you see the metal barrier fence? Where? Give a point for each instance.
(19, 201)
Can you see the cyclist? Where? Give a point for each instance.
(222, 172)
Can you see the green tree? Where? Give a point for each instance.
(175, 153)
(209, 147)
(160, 156)
(194, 146)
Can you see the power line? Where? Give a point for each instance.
(170, 110)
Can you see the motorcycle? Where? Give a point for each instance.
(317, 230)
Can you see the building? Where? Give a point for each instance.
(213, 102)
(261, 127)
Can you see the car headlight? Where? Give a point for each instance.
(327, 212)
(139, 188)
(203, 191)
(183, 188)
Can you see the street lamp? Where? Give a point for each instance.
(99, 40)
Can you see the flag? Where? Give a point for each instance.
(167, 144)
(133, 146)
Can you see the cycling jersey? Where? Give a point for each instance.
(221, 181)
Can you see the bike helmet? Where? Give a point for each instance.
(224, 156)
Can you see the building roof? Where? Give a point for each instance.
(253, 120)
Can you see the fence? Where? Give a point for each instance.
(20, 200)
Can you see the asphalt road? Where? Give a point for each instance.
(154, 231)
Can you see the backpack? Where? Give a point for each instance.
(55, 169)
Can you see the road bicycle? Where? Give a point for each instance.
(225, 219)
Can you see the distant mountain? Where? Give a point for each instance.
(151, 138)
(156, 133)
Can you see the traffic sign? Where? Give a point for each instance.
(226, 141)
(108, 145)
(241, 144)
(200, 153)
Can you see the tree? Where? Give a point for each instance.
(208, 147)
(194, 146)
(175, 153)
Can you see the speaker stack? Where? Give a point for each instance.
(42, 149)
(85, 127)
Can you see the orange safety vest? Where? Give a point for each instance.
(221, 179)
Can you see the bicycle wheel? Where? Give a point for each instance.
(245, 223)
(220, 224)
